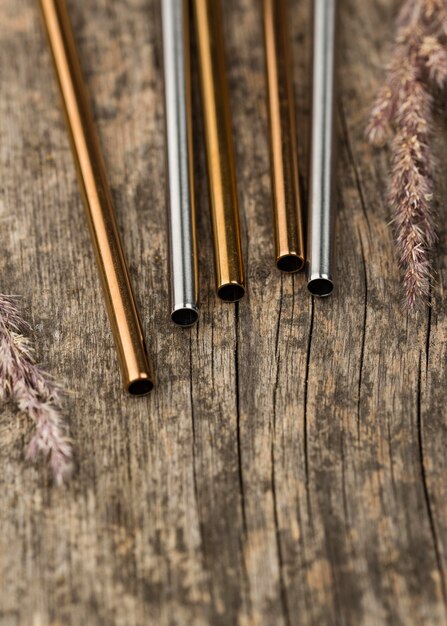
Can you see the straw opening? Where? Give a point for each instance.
(290, 263)
(140, 387)
(320, 287)
(185, 317)
(231, 292)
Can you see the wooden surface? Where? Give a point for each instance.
(290, 468)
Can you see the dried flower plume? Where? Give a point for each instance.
(402, 117)
(34, 392)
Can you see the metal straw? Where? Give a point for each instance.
(288, 219)
(120, 300)
(228, 262)
(322, 196)
(182, 227)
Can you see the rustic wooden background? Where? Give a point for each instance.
(291, 467)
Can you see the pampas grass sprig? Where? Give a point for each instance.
(34, 392)
(402, 117)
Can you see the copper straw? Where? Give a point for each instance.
(287, 214)
(229, 268)
(120, 300)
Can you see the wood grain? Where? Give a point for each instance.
(290, 467)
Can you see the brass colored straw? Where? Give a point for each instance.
(120, 300)
(228, 261)
(287, 214)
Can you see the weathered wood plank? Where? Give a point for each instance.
(290, 467)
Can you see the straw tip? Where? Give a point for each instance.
(140, 387)
(185, 315)
(231, 292)
(320, 285)
(290, 263)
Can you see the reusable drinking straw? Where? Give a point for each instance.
(120, 300)
(322, 196)
(182, 227)
(228, 262)
(288, 220)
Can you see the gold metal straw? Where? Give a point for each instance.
(228, 261)
(120, 300)
(287, 213)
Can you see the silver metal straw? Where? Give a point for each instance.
(182, 227)
(322, 193)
